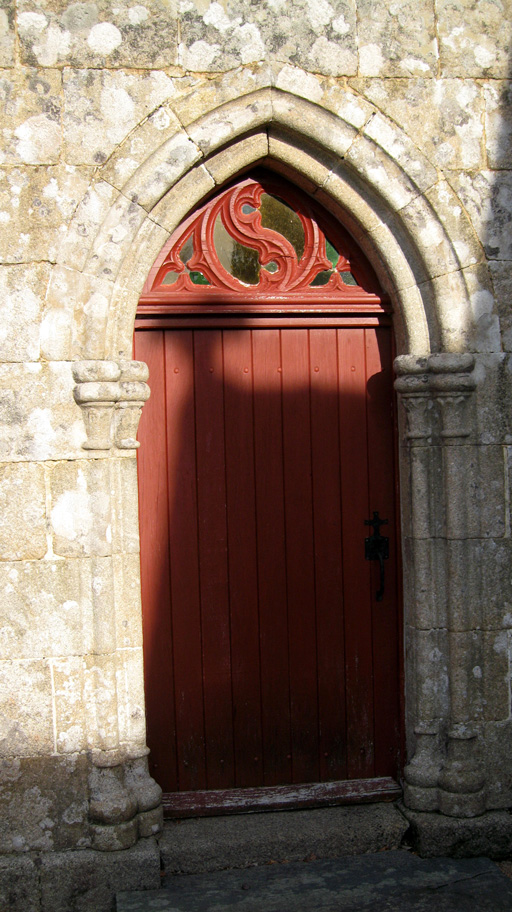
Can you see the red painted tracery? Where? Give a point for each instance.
(260, 240)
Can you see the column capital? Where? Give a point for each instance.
(111, 395)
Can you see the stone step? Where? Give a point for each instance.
(204, 844)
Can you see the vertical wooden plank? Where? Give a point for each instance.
(268, 455)
(183, 519)
(300, 555)
(213, 566)
(357, 592)
(328, 552)
(243, 571)
(382, 498)
(154, 539)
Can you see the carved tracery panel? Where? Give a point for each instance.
(261, 239)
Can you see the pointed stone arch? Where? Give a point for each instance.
(358, 164)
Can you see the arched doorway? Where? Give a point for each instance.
(272, 638)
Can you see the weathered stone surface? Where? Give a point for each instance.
(434, 835)
(248, 151)
(97, 34)
(38, 416)
(498, 123)
(217, 843)
(428, 656)
(22, 512)
(497, 749)
(474, 480)
(495, 671)
(41, 609)
(484, 330)
(35, 205)
(438, 250)
(487, 198)
(80, 517)
(396, 40)
(472, 40)
(442, 116)
(100, 702)
(320, 36)
(22, 292)
(7, 33)
(298, 116)
(428, 597)
(19, 884)
(43, 804)
(231, 120)
(199, 94)
(110, 802)
(85, 225)
(31, 104)
(381, 173)
(167, 164)
(491, 411)
(116, 338)
(101, 108)
(177, 202)
(501, 275)
(130, 689)
(125, 506)
(95, 877)
(68, 699)
(333, 96)
(128, 612)
(297, 159)
(127, 156)
(75, 315)
(114, 238)
(29, 730)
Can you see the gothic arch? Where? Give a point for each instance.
(408, 222)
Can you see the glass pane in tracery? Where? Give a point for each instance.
(239, 261)
(170, 278)
(280, 217)
(187, 250)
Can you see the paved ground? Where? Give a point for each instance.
(392, 881)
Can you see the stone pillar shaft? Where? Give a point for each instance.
(443, 772)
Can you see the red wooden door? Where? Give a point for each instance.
(268, 659)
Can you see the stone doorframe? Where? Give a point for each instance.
(410, 225)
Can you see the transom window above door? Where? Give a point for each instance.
(261, 239)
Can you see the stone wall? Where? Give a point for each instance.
(116, 119)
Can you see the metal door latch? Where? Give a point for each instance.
(376, 547)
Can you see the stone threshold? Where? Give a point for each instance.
(200, 845)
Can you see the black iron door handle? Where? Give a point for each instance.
(376, 547)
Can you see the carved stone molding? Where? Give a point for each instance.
(421, 775)
(462, 780)
(111, 395)
(436, 392)
(125, 803)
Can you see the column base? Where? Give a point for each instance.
(434, 835)
(419, 798)
(468, 804)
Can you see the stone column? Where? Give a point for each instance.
(461, 792)
(124, 801)
(439, 462)
(421, 580)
